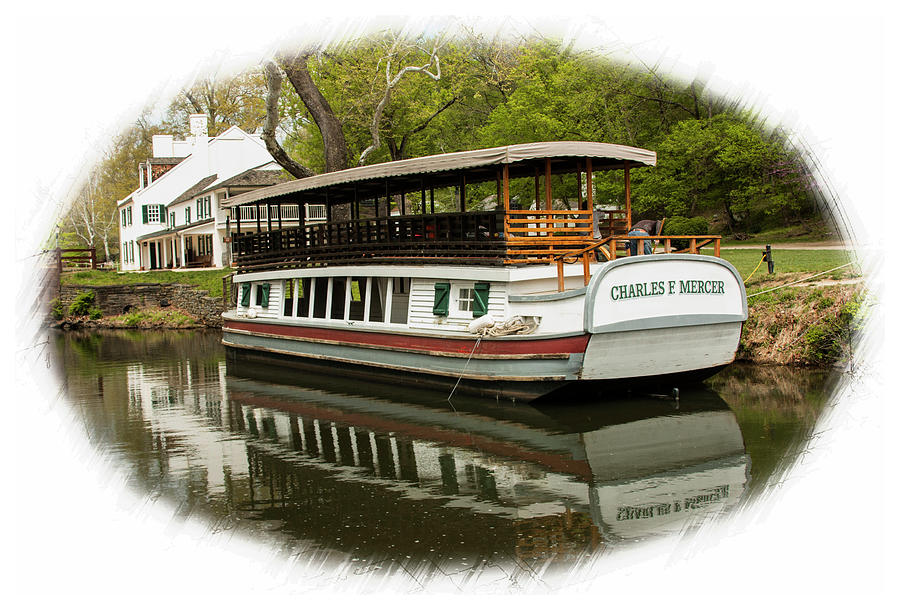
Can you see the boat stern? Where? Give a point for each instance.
(662, 315)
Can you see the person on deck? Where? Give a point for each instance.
(644, 228)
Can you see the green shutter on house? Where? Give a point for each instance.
(245, 295)
(265, 295)
(162, 213)
(441, 299)
(480, 303)
(144, 213)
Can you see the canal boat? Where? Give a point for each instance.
(488, 271)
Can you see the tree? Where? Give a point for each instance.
(226, 101)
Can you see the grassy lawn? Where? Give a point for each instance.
(210, 279)
(787, 261)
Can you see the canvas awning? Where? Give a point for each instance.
(603, 156)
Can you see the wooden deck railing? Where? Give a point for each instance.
(483, 238)
(458, 238)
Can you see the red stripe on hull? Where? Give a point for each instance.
(570, 345)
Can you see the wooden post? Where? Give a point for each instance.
(537, 188)
(280, 209)
(627, 197)
(402, 203)
(505, 179)
(462, 193)
(258, 220)
(578, 184)
(238, 209)
(269, 216)
(586, 262)
(424, 211)
(589, 179)
(356, 202)
(560, 277)
(432, 200)
(548, 188)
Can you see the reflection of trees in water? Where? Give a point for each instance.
(777, 408)
(789, 391)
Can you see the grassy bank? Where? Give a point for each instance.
(807, 325)
(209, 279)
(789, 261)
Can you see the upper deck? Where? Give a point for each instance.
(486, 207)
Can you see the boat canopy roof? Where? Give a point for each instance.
(445, 170)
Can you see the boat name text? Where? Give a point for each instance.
(663, 287)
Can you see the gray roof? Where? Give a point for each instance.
(194, 190)
(257, 177)
(605, 156)
(177, 229)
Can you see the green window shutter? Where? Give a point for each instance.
(144, 213)
(265, 295)
(245, 295)
(162, 213)
(441, 299)
(480, 304)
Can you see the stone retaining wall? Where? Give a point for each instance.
(119, 299)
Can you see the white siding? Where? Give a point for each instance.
(421, 304)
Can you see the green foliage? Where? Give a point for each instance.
(168, 318)
(828, 340)
(83, 305)
(56, 309)
(207, 279)
(679, 225)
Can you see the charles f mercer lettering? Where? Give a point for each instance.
(660, 288)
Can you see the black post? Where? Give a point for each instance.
(769, 260)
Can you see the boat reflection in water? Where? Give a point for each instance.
(371, 473)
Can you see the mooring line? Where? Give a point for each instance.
(475, 347)
(798, 281)
(757, 267)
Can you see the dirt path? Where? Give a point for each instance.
(811, 245)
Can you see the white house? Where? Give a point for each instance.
(174, 219)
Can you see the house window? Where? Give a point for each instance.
(153, 213)
(187, 216)
(204, 245)
(124, 218)
(128, 216)
(171, 220)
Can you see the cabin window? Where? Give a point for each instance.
(400, 300)
(338, 296)
(303, 296)
(262, 295)
(320, 298)
(441, 299)
(465, 300)
(358, 287)
(377, 292)
(245, 295)
(288, 292)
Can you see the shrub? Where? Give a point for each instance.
(56, 309)
(82, 304)
(681, 225)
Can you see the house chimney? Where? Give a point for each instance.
(199, 128)
(163, 146)
(200, 139)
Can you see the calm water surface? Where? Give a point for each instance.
(368, 477)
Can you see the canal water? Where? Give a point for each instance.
(367, 478)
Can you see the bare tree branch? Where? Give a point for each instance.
(433, 60)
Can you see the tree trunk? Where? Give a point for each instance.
(273, 92)
(336, 154)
